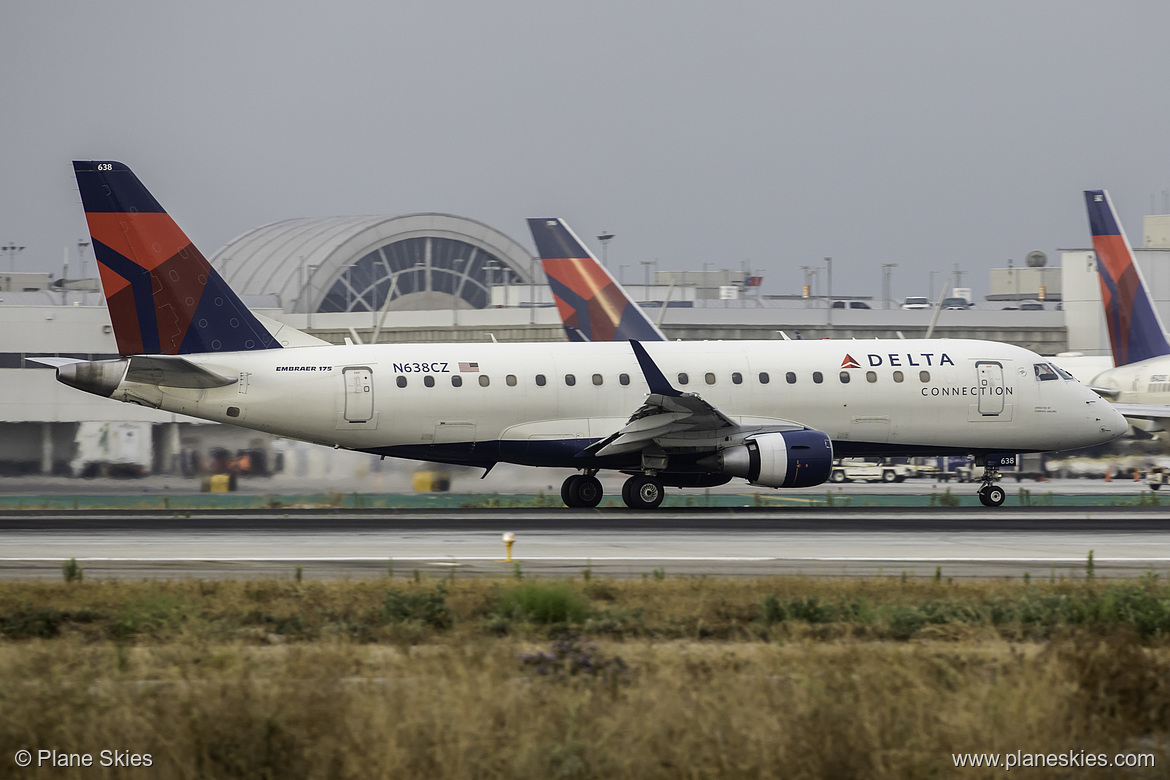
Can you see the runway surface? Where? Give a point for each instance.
(964, 542)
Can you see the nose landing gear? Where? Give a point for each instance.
(991, 494)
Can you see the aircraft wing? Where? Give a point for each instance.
(669, 417)
(1160, 412)
(172, 371)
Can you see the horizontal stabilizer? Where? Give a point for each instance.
(54, 362)
(172, 371)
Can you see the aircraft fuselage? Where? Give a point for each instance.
(541, 404)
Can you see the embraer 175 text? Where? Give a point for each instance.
(676, 414)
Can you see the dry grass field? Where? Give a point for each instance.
(663, 677)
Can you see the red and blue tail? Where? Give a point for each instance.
(163, 295)
(1135, 330)
(593, 306)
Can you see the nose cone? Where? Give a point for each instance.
(1113, 422)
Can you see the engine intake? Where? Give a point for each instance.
(789, 459)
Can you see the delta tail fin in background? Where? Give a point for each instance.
(1135, 329)
(592, 305)
(164, 297)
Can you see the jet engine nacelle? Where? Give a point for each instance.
(788, 459)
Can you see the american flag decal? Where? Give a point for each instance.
(472, 367)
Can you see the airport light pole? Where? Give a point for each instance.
(13, 250)
(604, 238)
(82, 245)
(829, 300)
(646, 284)
(887, 271)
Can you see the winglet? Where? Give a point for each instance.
(654, 376)
(1135, 329)
(592, 305)
(163, 295)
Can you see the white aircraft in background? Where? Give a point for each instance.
(772, 412)
(1139, 384)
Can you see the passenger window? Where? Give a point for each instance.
(924, 376)
(764, 377)
(709, 378)
(844, 377)
(683, 378)
(400, 381)
(540, 380)
(570, 380)
(510, 379)
(456, 381)
(898, 377)
(484, 380)
(429, 381)
(790, 377)
(736, 378)
(624, 380)
(818, 377)
(871, 376)
(597, 380)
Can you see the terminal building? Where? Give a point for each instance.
(439, 277)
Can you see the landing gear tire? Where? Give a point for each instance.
(589, 492)
(642, 492)
(582, 491)
(992, 495)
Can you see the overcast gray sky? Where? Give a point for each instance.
(917, 132)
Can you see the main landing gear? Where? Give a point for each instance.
(991, 494)
(582, 491)
(639, 491)
(643, 492)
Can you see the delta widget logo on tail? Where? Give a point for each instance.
(849, 362)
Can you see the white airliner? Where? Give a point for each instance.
(666, 413)
(1139, 382)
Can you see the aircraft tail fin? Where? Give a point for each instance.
(163, 295)
(592, 305)
(1135, 329)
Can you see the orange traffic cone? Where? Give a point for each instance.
(1108, 475)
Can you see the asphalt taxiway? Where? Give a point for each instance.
(961, 542)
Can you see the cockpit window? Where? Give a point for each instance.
(1045, 372)
(1063, 374)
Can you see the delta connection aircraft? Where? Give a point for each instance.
(772, 413)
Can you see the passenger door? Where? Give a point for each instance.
(990, 387)
(359, 394)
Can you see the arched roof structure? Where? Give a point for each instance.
(332, 264)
